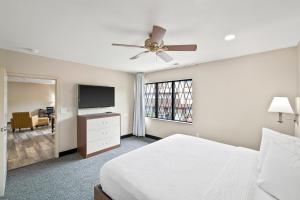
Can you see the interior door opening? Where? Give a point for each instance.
(31, 105)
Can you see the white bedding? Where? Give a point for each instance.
(182, 167)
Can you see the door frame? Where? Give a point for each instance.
(57, 104)
(3, 133)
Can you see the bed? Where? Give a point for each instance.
(181, 167)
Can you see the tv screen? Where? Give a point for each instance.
(91, 96)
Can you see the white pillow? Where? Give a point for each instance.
(269, 136)
(280, 173)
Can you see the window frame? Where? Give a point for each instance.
(155, 103)
(173, 100)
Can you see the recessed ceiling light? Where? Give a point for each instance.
(229, 37)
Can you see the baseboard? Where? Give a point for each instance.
(147, 135)
(126, 136)
(68, 152)
(153, 137)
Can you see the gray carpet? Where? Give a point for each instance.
(69, 177)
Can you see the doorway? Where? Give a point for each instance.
(31, 105)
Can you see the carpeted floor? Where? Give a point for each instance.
(69, 177)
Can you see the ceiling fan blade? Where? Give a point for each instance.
(139, 55)
(164, 56)
(188, 47)
(127, 45)
(157, 34)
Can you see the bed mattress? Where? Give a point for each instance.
(182, 167)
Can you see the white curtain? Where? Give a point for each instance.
(139, 106)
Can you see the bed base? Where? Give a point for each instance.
(99, 194)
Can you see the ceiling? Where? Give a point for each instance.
(82, 31)
(20, 79)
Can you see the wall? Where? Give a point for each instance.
(68, 75)
(231, 97)
(297, 125)
(29, 97)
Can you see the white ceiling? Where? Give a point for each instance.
(20, 79)
(82, 31)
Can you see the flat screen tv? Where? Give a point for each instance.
(92, 96)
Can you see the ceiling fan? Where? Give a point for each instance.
(156, 45)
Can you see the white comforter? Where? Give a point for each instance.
(184, 168)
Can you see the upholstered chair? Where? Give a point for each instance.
(23, 120)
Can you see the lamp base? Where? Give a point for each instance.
(280, 117)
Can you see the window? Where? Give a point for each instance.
(183, 101)
(150, 92)
(170, 100)
(165, 100)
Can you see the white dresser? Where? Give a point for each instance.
(97, 133)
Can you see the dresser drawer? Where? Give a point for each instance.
(99, 145)
(94, 135)
(96, 124)
(103, 123)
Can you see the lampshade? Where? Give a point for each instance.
(280, 105)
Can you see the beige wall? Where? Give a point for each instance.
(29, 97)
(297, 125)
(68, 75)
(298, 52)
(231, 97)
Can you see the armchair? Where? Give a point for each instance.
(23, 120)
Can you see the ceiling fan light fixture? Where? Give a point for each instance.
(230, 37)
(155, 44)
